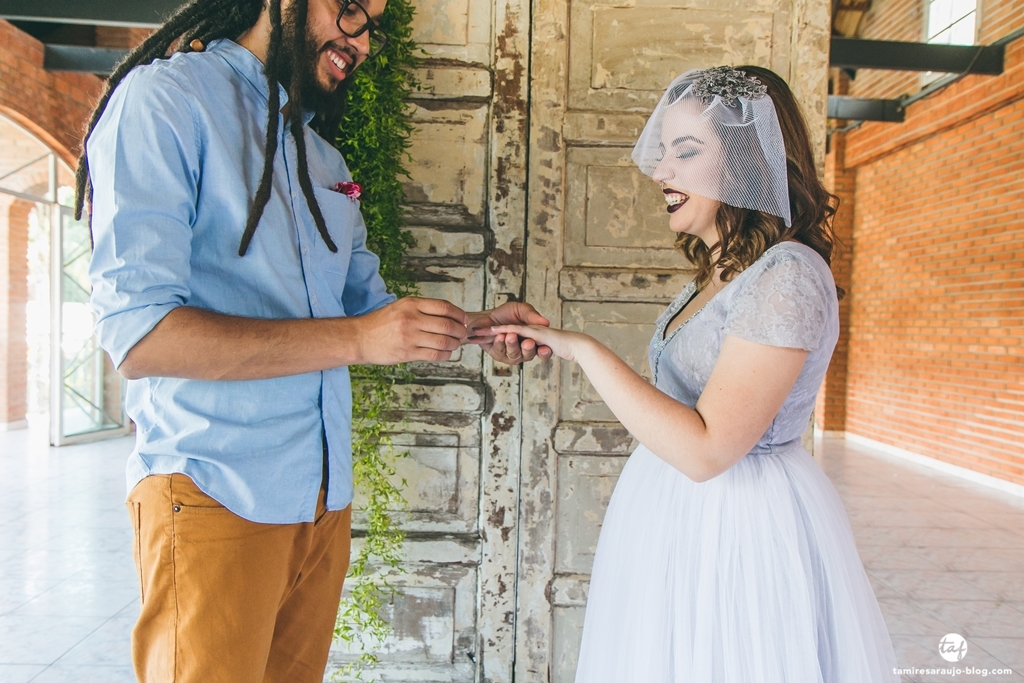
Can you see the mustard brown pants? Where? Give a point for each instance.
(226, 600)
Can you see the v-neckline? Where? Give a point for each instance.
(664, 336)
(663, 339)
(677, 306)
(682, 302)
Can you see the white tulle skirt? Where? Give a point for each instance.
(750, 577)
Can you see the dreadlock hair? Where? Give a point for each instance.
(205, 21)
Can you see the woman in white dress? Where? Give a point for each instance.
(726, 555)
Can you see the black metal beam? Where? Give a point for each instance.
(143, 13)
(857, 53)
(859, 109)
(91, 60)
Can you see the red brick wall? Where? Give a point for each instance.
(53, 106)
(117, 36)
(831, 408)
(999, 18)
(936, 332)
(14, 347)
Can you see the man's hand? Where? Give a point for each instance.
(411, 329)
(506, 348)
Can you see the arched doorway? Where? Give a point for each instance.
(53, 374)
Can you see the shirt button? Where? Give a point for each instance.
(305, 250)
(177, 508)
(312, 299)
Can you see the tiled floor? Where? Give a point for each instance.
(944, 556)
(68, 588)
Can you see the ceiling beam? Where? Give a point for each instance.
(860, 109)
(91, 60)
(857, 53)
(141, 13)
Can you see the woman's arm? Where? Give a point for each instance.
(746, 389)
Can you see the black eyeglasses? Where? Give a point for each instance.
(353, 20)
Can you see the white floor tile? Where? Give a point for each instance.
(890, 557)
(976, 618)
(1009, 651)
(931, 584)
(904, 617)
(1001, 586)
(82, 596)
(19, 673)
(42, 640)
(109, 645)
(86, 674)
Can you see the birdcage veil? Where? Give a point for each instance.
(715, 133)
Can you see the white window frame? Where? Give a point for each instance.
(930, 76)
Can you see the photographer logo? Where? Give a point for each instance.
(953, 647)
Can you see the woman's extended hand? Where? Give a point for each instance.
(564, 344)
(505, 348)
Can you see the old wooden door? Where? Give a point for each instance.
(600, 258)
(522, 186)
(467, 206)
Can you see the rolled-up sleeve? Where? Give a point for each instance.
(144, 166)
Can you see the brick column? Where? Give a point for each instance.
(830, 415)
(13, 298)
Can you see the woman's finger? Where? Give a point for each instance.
(523, 330)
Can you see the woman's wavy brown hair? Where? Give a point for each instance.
(745, 234)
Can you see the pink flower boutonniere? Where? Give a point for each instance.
(349, 189)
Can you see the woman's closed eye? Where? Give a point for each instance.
(686, 146)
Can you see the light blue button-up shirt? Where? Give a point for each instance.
(175, 161)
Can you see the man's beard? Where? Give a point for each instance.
(312, 93)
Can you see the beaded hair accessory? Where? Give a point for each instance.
(727, 83)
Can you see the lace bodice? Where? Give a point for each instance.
(786, 298)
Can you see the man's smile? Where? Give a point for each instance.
(340, 60)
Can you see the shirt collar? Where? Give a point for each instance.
(250, 68)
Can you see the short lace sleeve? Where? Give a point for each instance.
(785, 304)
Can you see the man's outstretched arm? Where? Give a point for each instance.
(192, 343)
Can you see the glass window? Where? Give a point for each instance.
(68, 375)
(952, 22)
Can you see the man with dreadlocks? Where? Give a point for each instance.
(237, 341)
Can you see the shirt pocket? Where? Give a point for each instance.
(340, 214)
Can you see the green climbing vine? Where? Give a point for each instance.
(374, 139)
